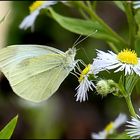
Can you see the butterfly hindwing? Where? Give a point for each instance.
(36, 83)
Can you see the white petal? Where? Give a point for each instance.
(121, 68)
(121, 119)
(83, 88)
(133, 129)
(137, 68)
(136, 6)
(106, 56)
(29, 20)
(136, 2)
(47, 4)
(113, 66)
(105, 61)
(108, 61)
(100, 135)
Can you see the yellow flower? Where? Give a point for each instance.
(110, 128)
(36, 5)
(84, 72)
(34, 12)
(125, 60)
(85, 84)
(128, 57)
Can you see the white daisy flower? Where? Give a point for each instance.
(34, 12)
(134, 127)
(85, 84)
(110, 128)
(125, 60)
(136, 4)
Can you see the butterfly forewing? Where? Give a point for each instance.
(35, 72)
(12, 55)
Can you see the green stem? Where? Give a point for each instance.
(96, 17)
(89, 4)
(83, 14)
(94, 5)
(131, 23)
(130, 106)
(113, 47)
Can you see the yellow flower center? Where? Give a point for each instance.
(35, 5)
(109, 127)
(84, 72)
(128, 56)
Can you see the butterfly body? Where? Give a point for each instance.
(35, 72)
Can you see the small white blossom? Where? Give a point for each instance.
(85, 84)
(30, 19)
(110, 128)
(136, 4)
(83, 88)
(100, 135)
(126, 61)
(134, 127)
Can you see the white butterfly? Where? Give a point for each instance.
(35, 72)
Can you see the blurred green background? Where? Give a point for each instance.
(60, 116)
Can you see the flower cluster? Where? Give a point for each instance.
(134, 127)
(110, 128)
(126, 62)
(85, 84)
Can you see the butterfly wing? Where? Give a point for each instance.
(14, 54)
(35, 77)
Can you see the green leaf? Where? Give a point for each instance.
(127, 84)
(83, 27)
(130, 83)
(121, 86)
(137, 19)
(119, 4)
(137, 46)
(7, 131)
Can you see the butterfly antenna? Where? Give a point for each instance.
(76, 42)
(85, 54)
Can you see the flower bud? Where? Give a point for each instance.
(105, 87)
